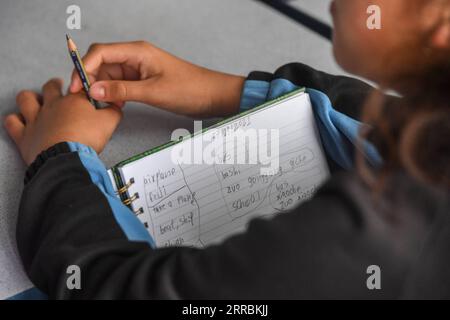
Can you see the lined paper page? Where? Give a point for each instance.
(201, 204)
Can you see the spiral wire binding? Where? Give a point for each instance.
(128, 201)
(125, 188)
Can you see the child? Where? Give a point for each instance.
(394, 216)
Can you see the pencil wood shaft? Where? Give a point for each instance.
(78, 63)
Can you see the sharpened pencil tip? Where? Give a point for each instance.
(67, 37)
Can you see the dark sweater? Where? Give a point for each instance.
(322, 249)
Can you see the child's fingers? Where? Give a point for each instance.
(119, 60)
(130, 73)
(115, 90)
(75, 83)
(29, 105)
(116, 53)
(105, 72)
(117, 72)
(110, 72)
(119, 104)
(15, 127)
(52, 89)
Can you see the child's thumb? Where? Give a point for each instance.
(116, 90)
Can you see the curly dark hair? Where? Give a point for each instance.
(411, 132)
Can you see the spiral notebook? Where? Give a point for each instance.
(188, 195)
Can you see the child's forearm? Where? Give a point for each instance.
(225, 93)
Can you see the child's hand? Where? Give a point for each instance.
(138, 71)
(53, 118)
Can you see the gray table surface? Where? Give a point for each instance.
(236, 36)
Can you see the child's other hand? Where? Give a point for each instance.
(51, 118)
(139, 71)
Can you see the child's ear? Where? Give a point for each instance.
(440, 38)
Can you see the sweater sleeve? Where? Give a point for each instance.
(336, 101)
(69, 217)
(346, 94)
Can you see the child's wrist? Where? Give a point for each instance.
(226, 95)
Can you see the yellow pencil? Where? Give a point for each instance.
(80, 69)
